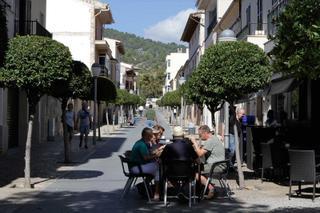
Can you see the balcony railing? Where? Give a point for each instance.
(31, 28)
(5, 4)
(104, 70)
(252, 29)
(273, 15)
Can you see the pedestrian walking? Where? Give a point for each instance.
(70, 119)
(140, 111)
(85, 118)
(151, 117)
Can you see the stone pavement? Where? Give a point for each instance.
(95, 184)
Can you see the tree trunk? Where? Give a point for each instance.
(27, 180)
(240, 172)
(99, 131)
(32, 102)
(66, 142)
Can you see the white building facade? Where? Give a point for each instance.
(24, 17)
(79, 26)
(114, 59)
(174, 61)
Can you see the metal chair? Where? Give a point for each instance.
(266, 158)
(219, 170)
(303, 169)
(181, 172)
(132, 178)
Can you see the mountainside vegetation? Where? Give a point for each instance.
(149, 56)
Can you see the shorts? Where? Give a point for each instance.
(84, 129)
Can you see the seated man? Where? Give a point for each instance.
(141, 155)
(211, 151)
(180, 149)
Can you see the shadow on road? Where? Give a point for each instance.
(97, 201)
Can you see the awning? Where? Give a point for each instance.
(282, 86)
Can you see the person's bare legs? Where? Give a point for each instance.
(203, 181)
(156, 191)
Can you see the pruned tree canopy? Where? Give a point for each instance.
(35, 63)
(228, 71)
(298, 39)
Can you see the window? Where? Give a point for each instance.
(168, 75)
(248, 18)
(168, 62)
(259, 15)
(212, 21)
(102, 59)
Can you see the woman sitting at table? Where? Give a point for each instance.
(210, 151)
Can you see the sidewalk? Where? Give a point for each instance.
(46, 162)
(96, 182)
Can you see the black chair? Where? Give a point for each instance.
(179, 172)
(303, 169)
(132, 178)
(219, 170)
(266, 158)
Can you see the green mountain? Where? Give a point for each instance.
(144, 53)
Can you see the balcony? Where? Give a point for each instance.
(255, 33)
(30, 28)
(252, 29)
(104, 70)
(273, 15)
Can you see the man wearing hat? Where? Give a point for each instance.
(180, 149)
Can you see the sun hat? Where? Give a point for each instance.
(177, 131)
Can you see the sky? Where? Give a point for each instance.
(159, 20)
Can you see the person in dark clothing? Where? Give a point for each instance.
(234, 119)
(180, 149)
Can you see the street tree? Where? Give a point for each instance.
(228, 71)
(297, 40)
(78, 85)
(150, 84)
(128, 101)
(171, 99)
(106, 92)
(34, 64)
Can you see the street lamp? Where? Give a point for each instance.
(226, 35)
(182, 80)
(96, 70)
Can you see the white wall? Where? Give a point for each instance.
(176, 61)
(70, 23)
(222, 6)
